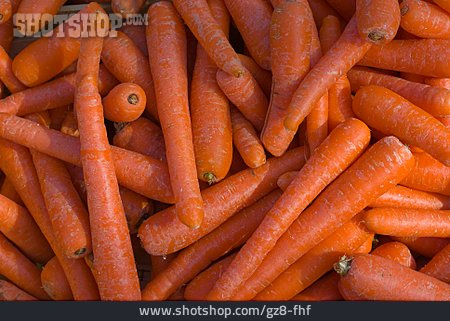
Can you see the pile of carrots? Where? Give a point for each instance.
(227, 150)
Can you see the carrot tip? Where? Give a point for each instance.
(133, 99)
(343, 266)
(210, 178)
(80, 252)
(239, 73)
(404, 10)
(375, 36)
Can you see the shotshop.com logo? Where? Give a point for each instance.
(76, 25)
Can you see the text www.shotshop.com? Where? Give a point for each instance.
(225, 312)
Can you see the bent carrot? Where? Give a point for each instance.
(10, 192)
(54, 281)
(42, 9)
(439, 266)
(426, 246)
(124, 103)
(390, 113)
(167, 38)
(325, 289)
(137, 34)
(126, 7)
(9, 292)
(397, 252)
(263, 77)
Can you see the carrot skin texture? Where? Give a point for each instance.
(444, 4)
(9, 292)
(5, 11)
(373, 277)
(389, 113)
(221, 202)
(262, 76)
(54, 281)
(127, 7)
(397, 252)
(325, 289)
(124, 103)
(426, 246)
(439, 266)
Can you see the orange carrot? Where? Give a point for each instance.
(433, 100)
(366, 246)
(166, 36)
(9, 292)
(425, 19)
(163, 233)
(5, 11)
(390, 113)
(413, 77)
(439, 266)
(290, 40)
(444, 4)
(438, 82)
(137, 34)
(397, 252)
(124, 103)
(371, 277)
(6, 34)
(321, 9)
(126, 7)
(346, 8)
(6, 74)
(198, 256)
(325, 289)
(137, 208)
(263, 77)
(10, 192)
(58, 116)
(426, 246)
(384, 164)
(54, 281)
(42, 9)
(69, 125)
(348, 140)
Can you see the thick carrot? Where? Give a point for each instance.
(54, 281)
(433, 100)
(419, 56)
(426, 246)
(325, 289)
(319, 260)
(19, 227)
(378, 20)
(110, 235)
(126, 7)
(439, 266)
(142, 136)
(148, 176)
(425, 19)
(384, 164)
(438, 82)
(43, 9)
(212, 136)
(167, 38)
(290, 40)
(348, 140)
(5, 11)
(246, 140)
(397, 252)
(6, 74)
(197, 15)
(20, 270)
(252, 18)
(163, 233)
(128, 64)
(137, 34)
(124, 103)
(10, 192)
(51, 95)
(346, 8)
(346, 52)
(9, 292)
(321, 9)
(408, 222)
(198, 256)
(391, 114)
(371, 277)
(263, 77)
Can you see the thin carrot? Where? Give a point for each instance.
(210, 112)
(438, 82)
(110, 236)
(167, 38)
(321, 9)
(263, 77)
(391, 114)
(9, 292)
(42, 9)
(425, 19)
(10, 192)
(346, 8)
(142, 136)
(198, 17)
(246, 140)
(124, 103)
(198, 256)
(290, 40)
(163, 233)
(126, 7)
(349, 141)
(397, 252)
(137, 34)
(378, 20)
(426, 246)
(6, 74)
(5, 11)
(384, 164)
(439, 266)
(325, 289)
(54, 281)
(371, 277)
(19, 227)
(444, 4)
(433, 100)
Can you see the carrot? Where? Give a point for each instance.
(10, 192)
(9, 292)
(137, 208)
(142, 136)
(6, 74)
(433, 100)
(198, 256)
(419, 56)
(58, 116)
(246, 140)
(346, 8)
(316, 262)
(213, 142)
(110, 236)
(378, 20)
(252, 18)
(413, 77)
(42, 9)
(70, 125)
(7, 34)
(165, 25)
(51, 95)
(54, 281)
(148, 176)
(199, 287)
(263, 77)
(162, 233)
(126, 7)
(397, 252)
(197, 15)
(348, 140)
(445, 120)
(390, 113)
(408, 222)
(137, 34)
(19, 227)
(425, 19)
(384, 164)
(349, 49)
(444, 4)
(286, 179)
(321, 9)
(366, 246)
(438, 82)
(439, 266)
(371, 277)
(325, 289)
(20, 270)
(124, 103)
(160, 263)
(426, 246)
(5, 11)
(290, 40)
